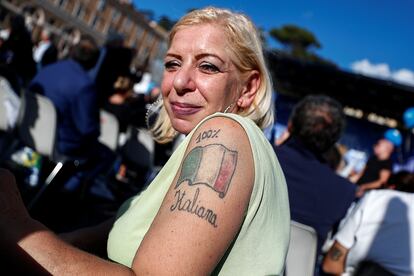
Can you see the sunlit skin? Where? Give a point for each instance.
(383, 149)
(199, 77)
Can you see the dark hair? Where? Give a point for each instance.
(403, 181)
(86, 52)
(317, 121)
(19, 44)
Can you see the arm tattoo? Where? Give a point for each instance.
(211, 133)
(193, 206)
(336, 253)
(213, 166)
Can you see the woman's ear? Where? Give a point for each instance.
(249, 90)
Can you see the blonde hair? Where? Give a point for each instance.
(246, 54)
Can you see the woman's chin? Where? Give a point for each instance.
(182, 126)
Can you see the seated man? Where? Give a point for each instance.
(380, 229)
(67, 84)
(318, 197)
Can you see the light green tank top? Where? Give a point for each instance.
(261, 245)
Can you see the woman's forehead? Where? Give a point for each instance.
(200, 37)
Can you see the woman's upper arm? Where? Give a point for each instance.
(205, 205)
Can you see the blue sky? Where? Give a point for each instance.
(370, 37)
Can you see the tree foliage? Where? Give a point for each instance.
(298, 42)
(166, 22)
(295, 38)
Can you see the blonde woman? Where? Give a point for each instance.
(219, 205)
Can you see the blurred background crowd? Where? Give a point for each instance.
(78, 83)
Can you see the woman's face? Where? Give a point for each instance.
(199, 77)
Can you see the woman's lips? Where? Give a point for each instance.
(184, 109)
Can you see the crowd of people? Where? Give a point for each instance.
(223, 200)
(89, 78)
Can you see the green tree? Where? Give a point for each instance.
(166, 22)
(295, 39)
(299, 43)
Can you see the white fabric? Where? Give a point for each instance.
(380, 228)
(142, 86)
(4, 34)
(40, 50)
(11, 102)
(355, 162)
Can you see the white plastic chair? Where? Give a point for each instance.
(37, 128)
(301, 257)
(3, 112)
(9, 106)
(109, 130)
(37, 124)
(9, 109)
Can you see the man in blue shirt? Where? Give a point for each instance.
(74, 95)
(318, 197)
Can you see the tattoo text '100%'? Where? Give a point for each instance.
(211, 133)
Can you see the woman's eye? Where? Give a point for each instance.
(171, 65)
(209, 68)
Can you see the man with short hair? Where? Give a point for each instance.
(67, 84)
(318, 197)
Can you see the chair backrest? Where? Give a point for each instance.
(37, 123)
(3, 112)
(301, 257)
(139, 147)
(145, 137)
(109, 130)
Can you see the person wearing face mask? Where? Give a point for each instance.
(220, 204)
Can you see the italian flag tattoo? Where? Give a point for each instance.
(212, 165)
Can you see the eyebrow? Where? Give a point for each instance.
(198, 56)
(172, 55)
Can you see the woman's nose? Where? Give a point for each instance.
(184, 80)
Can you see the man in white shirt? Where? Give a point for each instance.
(379, 228)
(42, 46)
